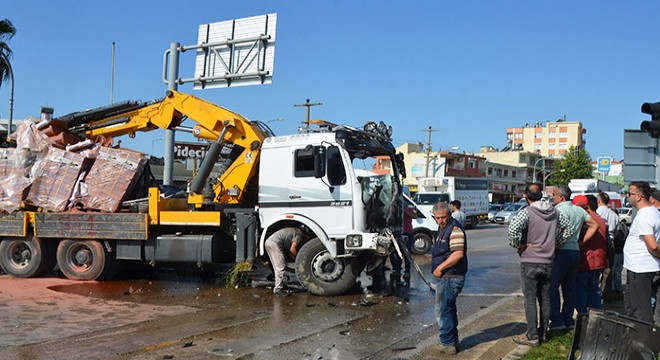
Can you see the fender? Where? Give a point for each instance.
(311, 224)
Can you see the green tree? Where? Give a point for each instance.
(576, 164)
(7, 31)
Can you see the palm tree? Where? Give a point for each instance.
(7, 31)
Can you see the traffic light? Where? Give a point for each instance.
(653, 126)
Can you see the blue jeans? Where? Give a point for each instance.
(446, 292)
(535, 279)
(588, 294)
(564, 271)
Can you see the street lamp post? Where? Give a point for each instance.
(537, 161)
(548, 175)
(152, 145)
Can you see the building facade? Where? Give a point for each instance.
(552, 140)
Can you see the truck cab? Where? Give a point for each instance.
(311, 181)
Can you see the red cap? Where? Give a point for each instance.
(580, 200)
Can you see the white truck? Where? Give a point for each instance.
(267, 182)
(579, 186)
(471, 192)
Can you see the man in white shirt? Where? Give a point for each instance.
(456, 212)
(641, 254)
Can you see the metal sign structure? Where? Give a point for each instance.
(235, 53)
(642, 160)
(230, 53)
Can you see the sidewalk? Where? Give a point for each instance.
(486, 334)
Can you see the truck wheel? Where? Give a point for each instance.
(26, 257)
(422, 244)
(84, 260)
(474, 223)
(323, 275)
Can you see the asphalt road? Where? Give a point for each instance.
(161, 315)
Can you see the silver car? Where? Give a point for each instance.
(492, 210)
(505, 216)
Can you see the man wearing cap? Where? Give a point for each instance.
(641, 254)
(567, 259)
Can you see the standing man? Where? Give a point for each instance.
(567, 259)
(281, 244)
(456, 212)
(611, 280)
(409, 213)
(593, 259)
(641, 254)
(534, 231)
(449, 263)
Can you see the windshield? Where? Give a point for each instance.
(623, 210)
(495, 207)
(514, 207)
(430, 199)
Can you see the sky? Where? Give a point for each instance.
(470, 69)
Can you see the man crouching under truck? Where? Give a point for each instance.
(282, 244)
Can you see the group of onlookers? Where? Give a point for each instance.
(578, 245)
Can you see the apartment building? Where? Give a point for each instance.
(550, 140)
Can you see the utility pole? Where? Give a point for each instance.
(112, 74)
(307, 104)
(428, 148)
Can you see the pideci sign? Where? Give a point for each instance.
(184, 151)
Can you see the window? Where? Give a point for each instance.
(537, 146)
(490, 171)
(336, 172)
(563, 134)
(552, 134)
(506, 172)
(523, 158)
(472, 163)
(551, 145)
(310, 161)
(498, 172)
(519, 136)
(538, 135)
(514, 174)
(562, 146)
(509, 136)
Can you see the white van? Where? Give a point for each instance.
(424, 227)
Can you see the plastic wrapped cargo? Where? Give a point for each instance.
(55, 179)
(13, 183)
(111, 178)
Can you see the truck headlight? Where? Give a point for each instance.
(354, 240)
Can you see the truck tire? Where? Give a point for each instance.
(323, 275)
(85, 260)
(474, 223)
(26, 258)
(422, 243)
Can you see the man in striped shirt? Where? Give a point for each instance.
(449, 264)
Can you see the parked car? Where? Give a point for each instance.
(625, 215)
(492, 210)
(505, 216)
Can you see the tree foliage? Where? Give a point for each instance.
(576, 164)
(7, 31)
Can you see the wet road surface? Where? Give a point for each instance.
(160, 315)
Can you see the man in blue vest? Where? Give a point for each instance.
(449, 264)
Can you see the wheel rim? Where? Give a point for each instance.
(420, 244)
(21, 254)
(327, 269)
(80, 257)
